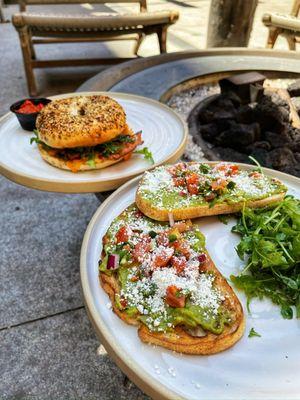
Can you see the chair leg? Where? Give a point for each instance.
(138, 43)
(291, 41)
(32, 50)
(27, 59)
(2, 18)
(272, 37)
(162, 39)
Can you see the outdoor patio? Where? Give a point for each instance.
(48, 347)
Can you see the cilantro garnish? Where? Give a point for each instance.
(35, 139)
(253, 333)
(146, 153)
(204, 168)
(270, 244)
(224, 218)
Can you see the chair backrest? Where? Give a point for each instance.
(24, 3)
(296, 8)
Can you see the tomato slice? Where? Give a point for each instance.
(174, 298)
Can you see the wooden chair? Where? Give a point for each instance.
(285, 25)
(57, 28)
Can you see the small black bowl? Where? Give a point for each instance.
(27, 121)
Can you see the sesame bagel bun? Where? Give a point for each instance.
(80, 121)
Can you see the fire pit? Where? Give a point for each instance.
(249, 119)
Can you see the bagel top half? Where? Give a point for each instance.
(80, 121)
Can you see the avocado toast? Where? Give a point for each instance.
(161, 278)
(191, 190)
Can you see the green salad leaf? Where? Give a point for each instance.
(270, 246)
(146, 153)
(253, 333)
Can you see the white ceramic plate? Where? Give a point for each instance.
(164, 133)
(255, 368)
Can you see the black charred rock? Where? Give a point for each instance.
(294, 88)
(238, 136)
(245, 114)
(282, 158)
(227, 154)
(262, 156)
(277, 139)
(209, 131)
(262, 144)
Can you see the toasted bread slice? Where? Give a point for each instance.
(184, 191)
(180, 338)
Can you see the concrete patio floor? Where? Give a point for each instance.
(47, 345)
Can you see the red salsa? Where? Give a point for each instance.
(28, 107)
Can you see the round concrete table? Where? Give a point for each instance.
(159, 76)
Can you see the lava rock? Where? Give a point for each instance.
(261, 144)
(294, 88)
(277, 139)
(262, 156)
(209, 131)
(238, 135)
(270, 115)
(282, 158)
(228, 154)
(245, 114)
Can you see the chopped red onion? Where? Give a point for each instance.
(202, 258)
(113, 261)
(171, 219)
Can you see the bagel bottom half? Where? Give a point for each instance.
(77, 165)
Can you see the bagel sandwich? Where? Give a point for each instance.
(192, 190)
(161, 279)
(84, 133)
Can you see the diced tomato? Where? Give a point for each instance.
(182, 226)
(182, 247)
(123, 302)
(141, 248)
(229, 169)
(219, 184)
(162, 239)
(179, 263)
(134, 279)
(193, 189)
(123, 234)
(192, 181)
(174, 298)
(234, 169)
(177, 169)
(162, 257)
(255, 175)
(179, 181)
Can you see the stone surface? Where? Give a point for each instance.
(41, 235)
(59, 358)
